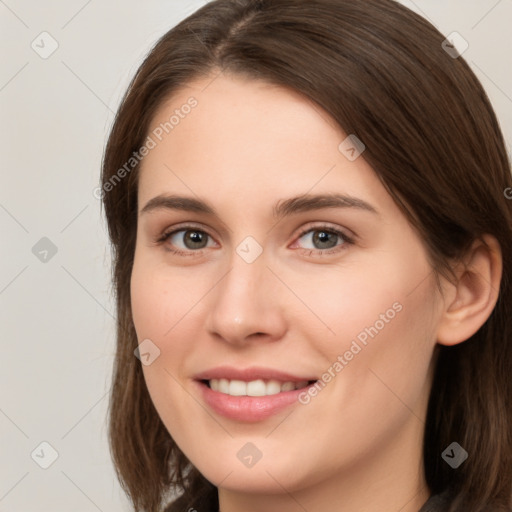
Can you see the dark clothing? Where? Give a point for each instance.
(437, 503)
(210, 503)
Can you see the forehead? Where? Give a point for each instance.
(243, 123)
(221, 134)
(240, 112)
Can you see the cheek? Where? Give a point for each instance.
(382, 325)
(157, 304)
(376, 372)
(385, 359)
(164, 309)
(157, 310)
(388, 298)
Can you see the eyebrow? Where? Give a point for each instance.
(282, 208)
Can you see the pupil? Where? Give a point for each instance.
(322, 237)
(195, 237)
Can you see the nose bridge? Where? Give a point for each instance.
(245, 301)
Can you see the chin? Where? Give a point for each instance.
(268, 476)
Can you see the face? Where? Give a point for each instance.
(278, 330)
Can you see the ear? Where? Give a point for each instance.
(470, 300)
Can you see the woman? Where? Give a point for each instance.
(307, 202)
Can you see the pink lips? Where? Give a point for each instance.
(248, 408)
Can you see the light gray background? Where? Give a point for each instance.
(57, 328)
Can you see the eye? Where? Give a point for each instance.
(190, 240)
(186, 241)
(325, 238)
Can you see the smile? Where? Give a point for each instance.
(250, 394)
(257, 387)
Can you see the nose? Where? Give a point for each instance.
(246, 306)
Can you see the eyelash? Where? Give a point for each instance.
(347, 241)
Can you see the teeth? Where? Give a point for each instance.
(288, 386)
(254, 387)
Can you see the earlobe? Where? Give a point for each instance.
(475, 292)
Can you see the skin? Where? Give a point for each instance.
(357, 445)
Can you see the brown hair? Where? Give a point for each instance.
(433, 139)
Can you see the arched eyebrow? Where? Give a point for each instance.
(283, 208)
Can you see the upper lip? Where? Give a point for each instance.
(249, 374)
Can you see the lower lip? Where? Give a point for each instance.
(249, 408)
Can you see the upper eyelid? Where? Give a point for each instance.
(327, 227)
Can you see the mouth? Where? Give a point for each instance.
(254, 388)
(250, 394)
